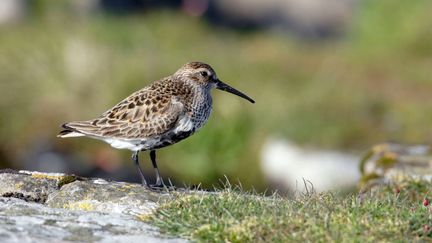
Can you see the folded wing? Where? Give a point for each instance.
(144, 114)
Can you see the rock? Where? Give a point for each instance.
(50, 207)
(22, 221)
(100, 195)
(392, 161)
(29, 186)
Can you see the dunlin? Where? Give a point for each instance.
(161, 114)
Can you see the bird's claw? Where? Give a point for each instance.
(161, 187)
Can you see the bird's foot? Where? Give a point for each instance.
(161, 187)
(144, 183)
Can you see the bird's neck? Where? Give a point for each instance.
(197, 97)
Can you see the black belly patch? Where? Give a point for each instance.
(171, 138)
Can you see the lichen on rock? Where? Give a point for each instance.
(56, 207)
(102, 196)
(392, 161)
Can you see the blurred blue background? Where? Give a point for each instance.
(331, 78)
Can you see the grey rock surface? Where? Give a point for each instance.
(22, 221)
(393, 161)
(46, 207)
(28, 187)
(100, 195)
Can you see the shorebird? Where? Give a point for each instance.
(160, 114)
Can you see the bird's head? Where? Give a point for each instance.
(203, 75)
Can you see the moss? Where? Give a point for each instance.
(387, 160)
(81, 205)
(144, 217)
(46, 176)
(61, 179)
(19, 185)
(367, 180)
(66, 180)
(126, 187)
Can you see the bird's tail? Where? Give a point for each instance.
(76, 129)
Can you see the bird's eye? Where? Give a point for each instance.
(204, 74)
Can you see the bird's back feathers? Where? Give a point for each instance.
(146, 113)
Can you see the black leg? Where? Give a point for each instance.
(140, 172)
(159, 181)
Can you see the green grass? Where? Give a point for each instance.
(391, 213)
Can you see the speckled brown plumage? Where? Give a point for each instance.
(161, 114)
(148, 112)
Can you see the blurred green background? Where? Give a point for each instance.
(364, 79)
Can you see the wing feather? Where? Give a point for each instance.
(146, 113)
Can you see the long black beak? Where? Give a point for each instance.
(225, 87)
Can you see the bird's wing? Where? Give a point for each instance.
(145, 113)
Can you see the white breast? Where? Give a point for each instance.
(185, 124)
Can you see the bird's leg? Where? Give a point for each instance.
(159, 181)
(140, 172)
